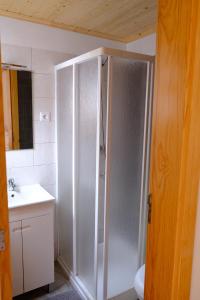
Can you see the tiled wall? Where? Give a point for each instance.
(36, 165)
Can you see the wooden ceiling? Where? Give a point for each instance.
(119, 20)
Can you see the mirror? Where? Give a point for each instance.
(17, 101)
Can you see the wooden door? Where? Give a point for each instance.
(38, 252)
(5, 271)
(175, 162)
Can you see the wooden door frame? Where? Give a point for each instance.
(5, 268)
(175, 159)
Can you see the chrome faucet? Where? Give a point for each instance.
(11, 184)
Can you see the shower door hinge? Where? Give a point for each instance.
(2, 240)
(149, 202)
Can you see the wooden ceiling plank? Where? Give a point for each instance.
(6, 4)
(108, 17)
(119, 20)
(60, 26)
(102, 10)
(75, 12)
(67, 11)
(140, 34)
(128, 25)
(119, 17)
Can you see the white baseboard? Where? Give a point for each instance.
(75, 281)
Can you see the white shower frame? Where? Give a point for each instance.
(109, 53)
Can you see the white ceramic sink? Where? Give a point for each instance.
(13, 196)
(28, 195)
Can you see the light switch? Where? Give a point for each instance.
(45, 116)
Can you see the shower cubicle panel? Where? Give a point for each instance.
(103, 115)
(128, 105)
(86, 168)
(64, 84)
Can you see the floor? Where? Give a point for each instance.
(129, 295)
(60, 285)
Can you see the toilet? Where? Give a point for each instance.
(139, 283)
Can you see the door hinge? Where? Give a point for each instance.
(2, 240)
(149, 203)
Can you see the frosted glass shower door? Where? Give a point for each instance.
(127, 123)
(64, 164)
(87, 89)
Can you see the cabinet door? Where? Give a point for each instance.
(16, 257)
(38, 251)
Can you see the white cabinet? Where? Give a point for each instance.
(16, 254)
(32, 246)
(38, 253)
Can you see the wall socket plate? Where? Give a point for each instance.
(45, 116)
(2, 240)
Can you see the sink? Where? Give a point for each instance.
(28, 195)
(13, 196)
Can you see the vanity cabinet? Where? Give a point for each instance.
(32, 246)
(16, 255)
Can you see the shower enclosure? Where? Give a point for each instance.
(103, 137)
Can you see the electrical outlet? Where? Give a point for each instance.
(45, 116)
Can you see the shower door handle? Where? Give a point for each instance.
(149, 202)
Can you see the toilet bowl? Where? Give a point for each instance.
(139, 282)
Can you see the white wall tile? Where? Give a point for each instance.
(37, 165)
(43, 105)
(19, 158)
(43, 85)
(44, 154)
(43, 61)
(44, 132)
(16, 55)
(46, 174)
(8, 172)
(24, 175)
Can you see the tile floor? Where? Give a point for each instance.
(61, 285)
(129, 295)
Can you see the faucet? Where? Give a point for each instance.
(11, 184)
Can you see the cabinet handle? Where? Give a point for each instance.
(16, 229)
(26, 227)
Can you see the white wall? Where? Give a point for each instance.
(146, 45)
(28, 34)
(36, 165)
(39, 48)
